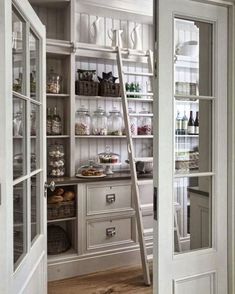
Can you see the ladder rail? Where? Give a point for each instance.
(139, 220)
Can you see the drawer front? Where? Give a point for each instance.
(106, 233)
(108, 199)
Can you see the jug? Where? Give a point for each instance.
(116, 37)
(95, 34)
(135, 37)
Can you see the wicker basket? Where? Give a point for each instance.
(87, 88)
(57, 240)
(110, 89)
(61, 210)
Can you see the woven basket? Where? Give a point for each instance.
(61, 210)
(110, 89)
(86, 88)
(57, 240)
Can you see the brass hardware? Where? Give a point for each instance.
(111, 232)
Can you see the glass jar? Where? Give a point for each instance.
(17, 124)
(83, 121)
(54, 82)
(108, 157)
(99, 122)
(115, 123)
(133, 122)
(56, 160)
(56, 123)
(33, 123)
(145, 124)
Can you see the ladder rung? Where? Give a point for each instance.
(144, 182)
(148, 232)
(149, 257)
(138, 53)
(144, 159)
(141, 114)
(134, 73)
(140, 93)
(148, 206)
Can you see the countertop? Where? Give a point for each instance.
(116, 176)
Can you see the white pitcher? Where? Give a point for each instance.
(116, 37)
(136, 39)
(95, 34)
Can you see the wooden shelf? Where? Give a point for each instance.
(187, 136)
(56, 47)
(49, 95)
(116, 98)
(61, 220)
(58, 137)
(114, 137)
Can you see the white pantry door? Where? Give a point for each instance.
(190, 255)
(23, 150)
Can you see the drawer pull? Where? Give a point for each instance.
(110, 198)
(111, 232)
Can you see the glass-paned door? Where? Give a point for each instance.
(192, 148)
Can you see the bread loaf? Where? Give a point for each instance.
(59, 191)
(54, 199)
(69, 196)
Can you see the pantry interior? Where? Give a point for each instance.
(91, 221)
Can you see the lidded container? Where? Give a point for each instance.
(17, 124)
(83, 121)
(56, 160)
(145, 123)
(54, 83)
(133, 122)
(108, 157)
(33, 125)
(99, 122)
(115, 122)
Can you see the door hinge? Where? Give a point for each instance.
(50, 186)
(155, 202)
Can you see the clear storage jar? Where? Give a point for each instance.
(54, 83)
(133, 122)
(145, 124)
(83, 121)
(56, 160)
(115, 122)
(99, 122)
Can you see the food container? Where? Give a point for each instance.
(83, 122)
(115, 123)
(56, 160)
(133, 122)
(17, 124)
(145, 124)
(91, 169)
(54, 82)
(108, 157)
(99, 122)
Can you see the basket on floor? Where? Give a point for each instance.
(87, 88)
(110, 89)
(61, 210)
(57, 240)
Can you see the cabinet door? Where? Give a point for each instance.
(192, 148)
(22, 113)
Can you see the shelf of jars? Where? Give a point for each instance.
(113, 137)
(51, 95)
(58, 137)
(134, 99)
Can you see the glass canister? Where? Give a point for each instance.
(83, 121)
(33, 123)
(54, 82)
(56, 160)
(145, 123)
(115, 122)
(17, 124)
(99, 122)
(133, 122)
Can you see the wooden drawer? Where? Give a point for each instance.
(104, 233)
(105, 199)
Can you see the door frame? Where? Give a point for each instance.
(231, 134)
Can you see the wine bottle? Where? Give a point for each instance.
(184, 124)
(49, 121)
(56, 123)
(190, 128)
(196, 124)
(178, 123)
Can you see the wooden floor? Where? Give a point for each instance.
(123, 280)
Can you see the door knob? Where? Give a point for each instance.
(50, 186)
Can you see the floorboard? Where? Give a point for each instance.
(123, 280)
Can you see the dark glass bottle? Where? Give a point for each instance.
(196, 124)
(191, 124)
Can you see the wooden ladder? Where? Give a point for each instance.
(145, 259)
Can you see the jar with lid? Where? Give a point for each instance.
(17, 124)
(56, 123)
(56, 160)
(133, 122)
(33, 123)
(115, 122)
(145, 123)
(99, 122)
(54, 82)
(83, 121)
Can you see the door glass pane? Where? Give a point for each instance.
(19, 137)
(192, 213)
(20, 221)
(193, 136)
(193, 57)
(35, 136)
(35, 206)
(18, 53)
(34, 66)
